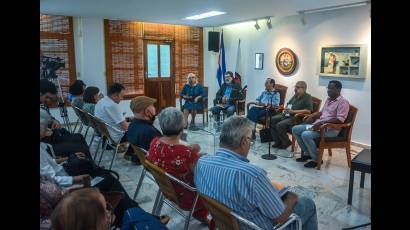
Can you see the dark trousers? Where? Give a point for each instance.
(256, 114)
(110, 184)
(229, 110)
(279, 126)
(68, 144)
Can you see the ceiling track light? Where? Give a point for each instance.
(328, 8)
(302, 18)
(269, 23)
(257, 27)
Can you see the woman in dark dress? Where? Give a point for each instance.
(192, 93)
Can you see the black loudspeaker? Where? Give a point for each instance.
(213, 41)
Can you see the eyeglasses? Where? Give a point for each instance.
(251, 141)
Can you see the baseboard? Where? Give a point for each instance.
(361, 145)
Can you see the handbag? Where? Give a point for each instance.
(266, 135)
(136, 218)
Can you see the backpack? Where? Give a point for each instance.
(138, 219)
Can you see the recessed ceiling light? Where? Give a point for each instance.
(205, 15)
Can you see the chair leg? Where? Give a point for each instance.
(319, 158)
(114, 156)
(86, 132)
(157, 197)
(293, 143)
(160, 203)
(139, 183)
(97, 148)
(76, 123)
(349, 156)
(92, 139)
(329, 150)
(188, 219)
(102, 153)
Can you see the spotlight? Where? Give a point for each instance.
(269, 23)
(257, 27)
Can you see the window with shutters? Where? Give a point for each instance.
(56, 40)
(124, 49)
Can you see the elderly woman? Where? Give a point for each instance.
(177, 158)
(91, 96)
(192, 93)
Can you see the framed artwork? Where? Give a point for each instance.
(258, 60)
(343, 61)
(286, 61)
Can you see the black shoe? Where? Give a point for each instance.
(253, 134)
(277, 145)
(304, 158)
(109, 148)
(311, 164)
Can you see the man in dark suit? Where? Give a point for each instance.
(226, 97)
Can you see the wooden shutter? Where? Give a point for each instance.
(125, 58)
(56, 40)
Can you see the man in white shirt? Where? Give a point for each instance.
(109, 110)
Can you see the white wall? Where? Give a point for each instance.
(346, 26)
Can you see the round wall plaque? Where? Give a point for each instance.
(286, 61)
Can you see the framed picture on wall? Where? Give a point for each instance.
(258, 60)
(343, 61)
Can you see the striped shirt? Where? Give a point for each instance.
(244, 188)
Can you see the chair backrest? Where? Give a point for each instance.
(163, 181)
(316, 104)
(139, 152)
(282, 91)
(101, 127)
(81, 114)
(351, 117)
(220, 213)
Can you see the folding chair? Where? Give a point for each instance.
(84, 121)
(96, 133)
(105, 134)
(226, 219)
(141, 156)
(167, 192)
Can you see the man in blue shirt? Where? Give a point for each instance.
(229, 178)
(226, 97)
(268, 98)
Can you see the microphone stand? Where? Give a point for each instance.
(269, 156)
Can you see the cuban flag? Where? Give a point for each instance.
(221, 61)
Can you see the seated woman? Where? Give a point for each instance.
(192, 93)
(91, 96)
(177, 158)
(50, 195)
(52, 168)
(87, 209)
(76, 91)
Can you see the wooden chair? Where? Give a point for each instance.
(240, 104)
(282, 93)
(83, 120)
(343, 140)
(316, 106)
(167, 194)
(204, 101)
(226, 219)
(102, 128)
(141, 153)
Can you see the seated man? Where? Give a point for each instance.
(226, 97)
(141, 130)
(335, 111)
(192, 93)
(109, 110)
(244, 187)
(301, 102)
(268, 98)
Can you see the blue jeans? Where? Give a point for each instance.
(256, 114)
(229, 110)
(306, 139)
(305, 208)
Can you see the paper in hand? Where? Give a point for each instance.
(96, 180)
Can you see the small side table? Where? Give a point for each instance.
(362, 163)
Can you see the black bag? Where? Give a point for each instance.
(76, 166)
(266, 135)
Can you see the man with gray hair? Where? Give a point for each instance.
(301, 102)
(229, 178)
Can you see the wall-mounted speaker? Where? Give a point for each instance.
(213, 41)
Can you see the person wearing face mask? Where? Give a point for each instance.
(141, 130)
(226, 97)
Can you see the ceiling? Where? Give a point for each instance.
(174, 11)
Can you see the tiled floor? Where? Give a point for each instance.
(327, 187)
